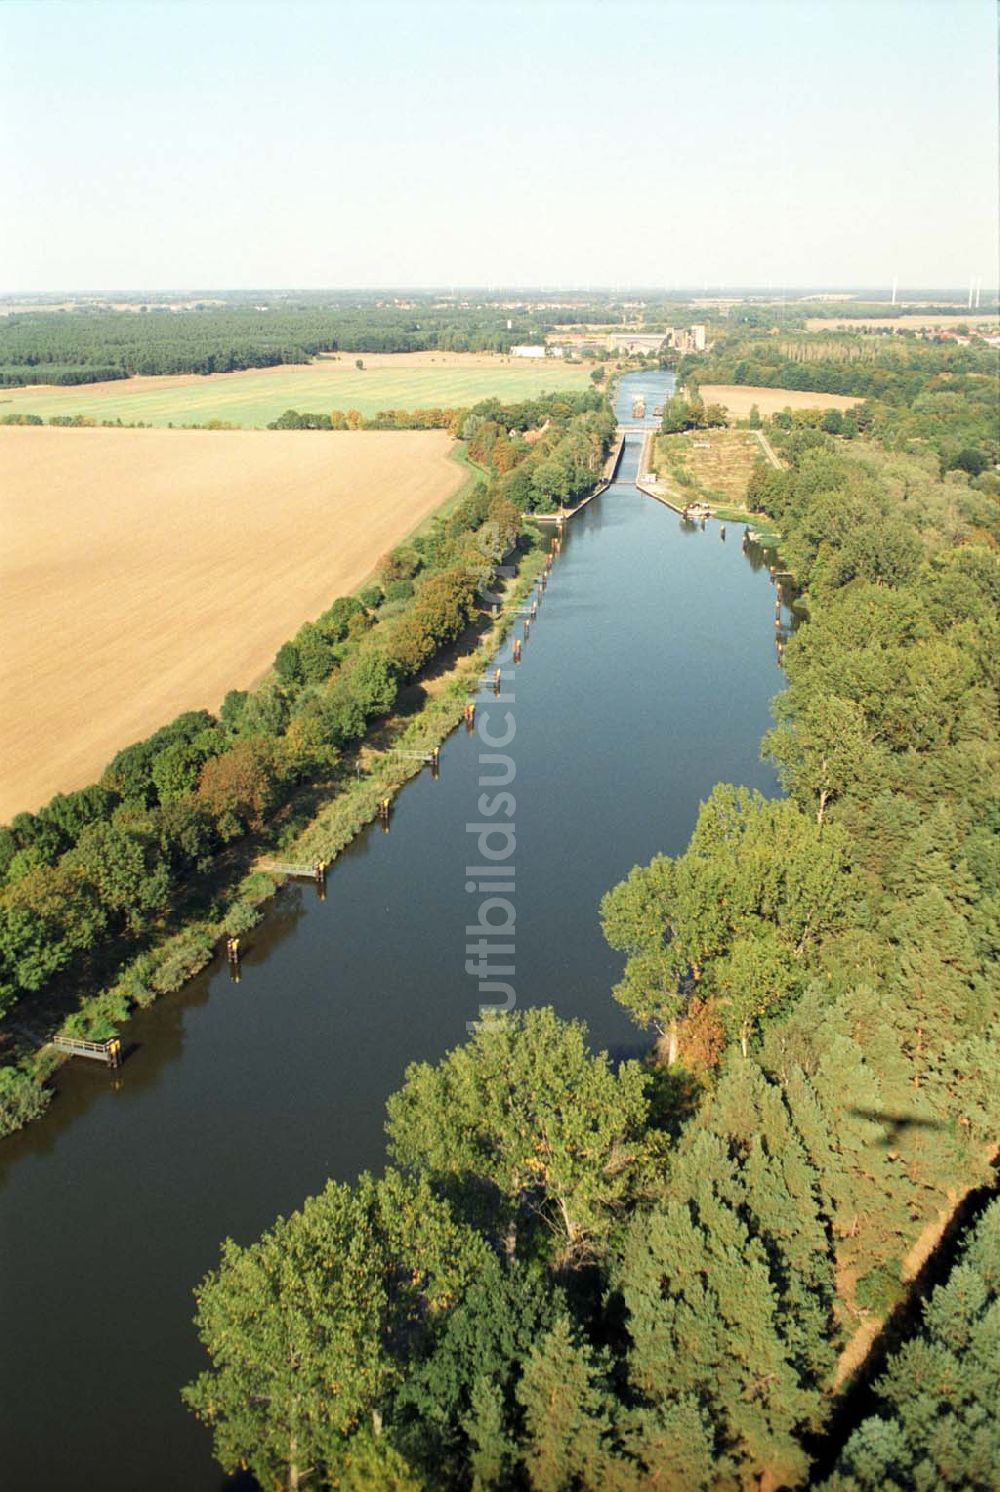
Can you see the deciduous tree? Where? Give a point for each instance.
(526, 1117)
(309, 1328)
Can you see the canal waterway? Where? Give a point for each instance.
(645, 680)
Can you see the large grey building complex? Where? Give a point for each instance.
(684, 339)
(636, 341)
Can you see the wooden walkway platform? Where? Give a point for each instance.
(314, 872)
(109, 1052)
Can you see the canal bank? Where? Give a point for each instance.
(645, 679)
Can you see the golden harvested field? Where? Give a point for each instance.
(146, 572)
(739, 398)
(900, 323)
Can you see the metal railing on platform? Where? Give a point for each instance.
(109, 1052)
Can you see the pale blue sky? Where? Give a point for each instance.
(203, 143)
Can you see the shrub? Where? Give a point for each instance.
(401, 564)
(99, 1018)
(21, 1099)
(256, 887)
(880, 1289)
(101, 1028)
(240, 918)
(181, 958)
(135, 983)
(971, 460)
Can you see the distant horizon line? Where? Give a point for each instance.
(715, 291)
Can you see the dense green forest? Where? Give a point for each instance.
(577, 1274)
(87, 883)
(72, 347)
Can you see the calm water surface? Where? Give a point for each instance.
(645, 681)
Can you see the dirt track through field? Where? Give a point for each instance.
(145, 572)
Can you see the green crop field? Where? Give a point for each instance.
(404, 381)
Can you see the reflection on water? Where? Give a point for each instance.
(645, 680)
